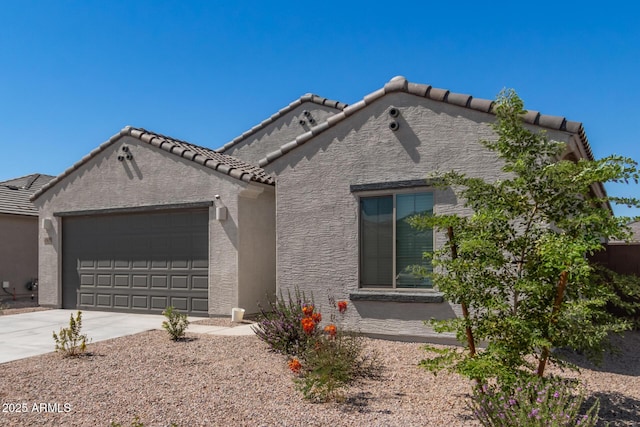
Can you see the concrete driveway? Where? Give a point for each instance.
(30, 334)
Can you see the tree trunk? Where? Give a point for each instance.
(465, 311)
(562, 286)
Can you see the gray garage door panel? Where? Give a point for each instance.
(139, 262)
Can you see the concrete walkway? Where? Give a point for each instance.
(30, 334)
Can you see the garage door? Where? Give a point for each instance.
(140, 262)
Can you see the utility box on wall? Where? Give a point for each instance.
(221, 213)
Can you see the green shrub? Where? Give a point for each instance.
(280, 324)
(536, 402)
(624, 301)
(69, 340)
(176, 323)
(324, 360)
(136, 423)
(331, 363)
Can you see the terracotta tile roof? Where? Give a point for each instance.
(222, 163)
(15, 194)
(309, 97)
(400, 84)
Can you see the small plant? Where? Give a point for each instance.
(69, 340)
(334, 361)
(176, 323)
(281, 325)
(624, 291)
(323, 359)
(552, 402)
(136, 423)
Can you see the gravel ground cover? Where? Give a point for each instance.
(212, 380)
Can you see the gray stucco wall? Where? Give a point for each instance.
(278, 133)
(257, 249)
(18, 253)
(152, 177)
(317, 214)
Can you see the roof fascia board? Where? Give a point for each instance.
(401, 84)
(164, 143)
(309, 97)
(135, 209)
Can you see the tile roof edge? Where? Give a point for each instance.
(164, 144)
(401, 84)
(308, 97)
(123, 132)
(32, 177)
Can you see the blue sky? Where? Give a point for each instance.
(73, 73)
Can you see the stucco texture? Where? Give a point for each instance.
(317, 214)
(152, 177)
(18, 254)
(286, 128)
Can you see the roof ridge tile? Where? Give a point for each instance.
(204, 156)
(307, 97)
(401, 84)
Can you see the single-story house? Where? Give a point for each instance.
(312, 198)
(19, 231)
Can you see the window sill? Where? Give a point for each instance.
(428, 296)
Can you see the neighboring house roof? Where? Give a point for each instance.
(15, 194)
(400, 84)
(635, 234)
(222, 163)
(309, 97)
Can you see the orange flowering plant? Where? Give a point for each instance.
(331, 330)
(342, 306)
(280, 324)
(295, 365)
(324, 358)
(307, 309)
(335, 359)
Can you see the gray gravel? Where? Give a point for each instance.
(225, 381)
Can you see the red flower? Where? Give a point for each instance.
(307, 310)
(342, 306)
(316, 317)
(295, 366)
(331, 330)
(308, 325)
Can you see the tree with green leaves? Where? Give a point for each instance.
(517, 264)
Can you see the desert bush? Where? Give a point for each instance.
(332, 358)
(69, 340)
(625, 294)
(136, 423)
(280, 324)
(533, 402)
(176, 323)
(333, 361)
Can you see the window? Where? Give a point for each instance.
(383, 263)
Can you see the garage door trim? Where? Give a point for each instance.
(136, 209)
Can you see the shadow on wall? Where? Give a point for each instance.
(403, 310)
(406, 137)
(134, 167)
